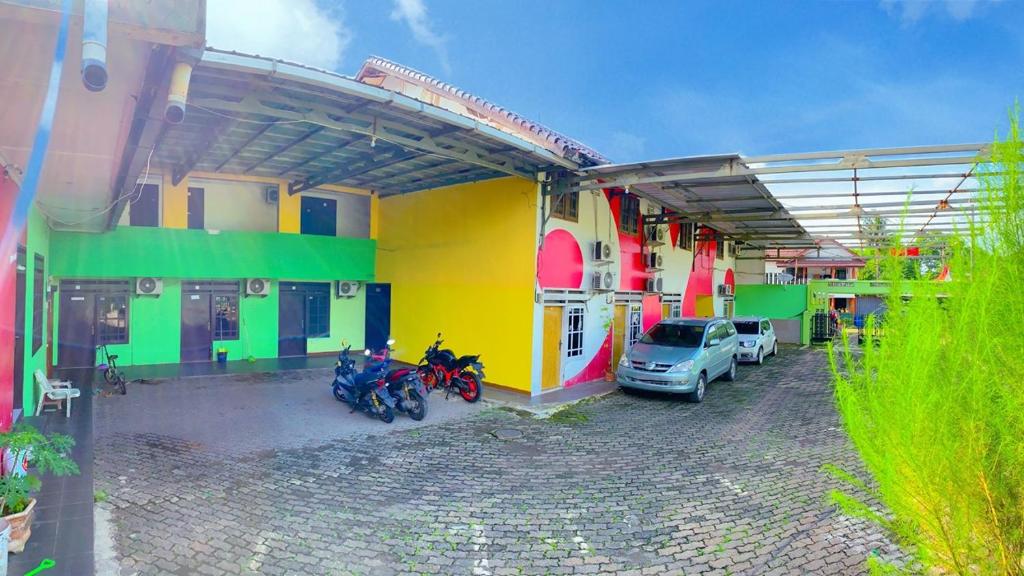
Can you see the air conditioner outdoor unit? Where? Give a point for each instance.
(602, 282)
(654, 285)
(654, 261)
(602, 251)
(347, 289)
(655, 234)
(257, 287)
(149, 286)
(271, 194)
(725, 290)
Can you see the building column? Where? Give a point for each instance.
(289, 210)
(174, 202)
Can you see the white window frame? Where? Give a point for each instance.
(634, 330)
(571, 311)
(675, 310)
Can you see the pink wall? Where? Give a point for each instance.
(560, 261)
(8, 244)
(701, 277)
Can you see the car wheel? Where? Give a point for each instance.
(731, 374)
(775, 348)
(697, 396)
(760, 356)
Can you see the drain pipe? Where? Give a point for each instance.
(94, 45)
(181, 75)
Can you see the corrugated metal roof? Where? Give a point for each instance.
(376, 71)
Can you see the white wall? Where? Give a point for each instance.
(750, 271)
(236, 206)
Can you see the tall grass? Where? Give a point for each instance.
(936, 411)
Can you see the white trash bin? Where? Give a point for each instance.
(5, 536)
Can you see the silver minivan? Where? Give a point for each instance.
(681, 355)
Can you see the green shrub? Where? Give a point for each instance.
(936, 410)
(46, 454)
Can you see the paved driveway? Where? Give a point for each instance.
(634, 484)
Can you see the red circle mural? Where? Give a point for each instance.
(560, 261)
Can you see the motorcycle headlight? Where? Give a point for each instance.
(624, 361)
(683, 366)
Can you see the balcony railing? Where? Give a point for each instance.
(782, 278)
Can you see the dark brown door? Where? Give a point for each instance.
(292, 323)
(19, 329)
(196, 218)
(196, 332)
(75, 339)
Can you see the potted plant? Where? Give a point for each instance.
(47, 454)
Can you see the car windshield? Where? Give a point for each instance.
(677, 335)
(747, 327)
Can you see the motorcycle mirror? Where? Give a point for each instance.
(391, 341)
(344, 343)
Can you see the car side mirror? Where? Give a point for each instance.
(714, 342)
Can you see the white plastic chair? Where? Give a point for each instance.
(56, 392)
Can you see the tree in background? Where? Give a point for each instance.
(936, 410)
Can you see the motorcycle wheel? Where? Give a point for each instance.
(416, 406)
(471, 387)
(428, 376)
(386, 414)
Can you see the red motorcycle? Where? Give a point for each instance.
(462, 374)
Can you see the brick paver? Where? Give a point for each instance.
(645, 485)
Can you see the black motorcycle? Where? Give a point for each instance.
(405, 386)
(442, 368)
(366, 391)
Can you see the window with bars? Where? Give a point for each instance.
(636, 329)
(38, 297)
(566, 206)
(629, 214)
(676, 310)
(719, 248)
(318, 315)
(686, 236)
(574, 332)
(225, 317)
(732, 249)
(112, 318)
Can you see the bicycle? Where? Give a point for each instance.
(111, 373)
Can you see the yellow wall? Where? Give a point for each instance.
(175, 203)
(461, 260)
(289, 210)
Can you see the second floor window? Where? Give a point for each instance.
(686, 236)
(566, 206)
(719, 247)
(629, 214)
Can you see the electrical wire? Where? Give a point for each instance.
(101, 212)
(249, 120)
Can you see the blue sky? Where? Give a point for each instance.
(654, 79)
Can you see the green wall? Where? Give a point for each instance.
(37, 242)
(770, 300)
(348, 322)
(174, 253)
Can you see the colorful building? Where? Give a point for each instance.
(271, 210)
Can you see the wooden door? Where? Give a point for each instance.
(704, 306)
(619, 327)
(551, 370)
(76, 326)
(196, 330)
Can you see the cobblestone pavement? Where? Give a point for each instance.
(637, 485)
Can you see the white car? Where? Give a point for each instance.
(757, 339)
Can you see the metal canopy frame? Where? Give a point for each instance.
(808, 199)
(260, 117)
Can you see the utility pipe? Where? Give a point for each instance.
(94, 45)
(177, 95)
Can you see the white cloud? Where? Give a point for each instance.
(911, 11)
(414, 14)
(295, 30)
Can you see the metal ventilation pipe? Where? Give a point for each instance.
(177, 95)
(94, 45)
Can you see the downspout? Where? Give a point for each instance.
(94, 45)
(181, 76)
